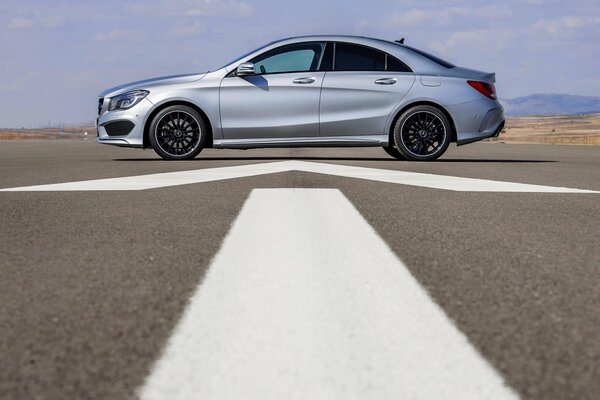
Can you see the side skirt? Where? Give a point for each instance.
(331, 141)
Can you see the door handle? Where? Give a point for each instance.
(386, 81)
(303, 81)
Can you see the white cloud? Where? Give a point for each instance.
(410, 17)
(109, 36)
(48, 21)
(580, 22)
(51, 21)
(493, 12)
(483, 39)
(360, 25)
(437, 16)
(189, 29)
(191, 8)
(561, 25)
(20, 23)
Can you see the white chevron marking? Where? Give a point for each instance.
(168, 179)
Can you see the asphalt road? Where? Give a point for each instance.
(93, 283)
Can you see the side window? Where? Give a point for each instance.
(350, 57)
(293, 58)
(393, 64)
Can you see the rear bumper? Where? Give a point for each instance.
(497, 133)
(477, 120)
(491, 131)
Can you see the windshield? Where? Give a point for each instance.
(246, 54)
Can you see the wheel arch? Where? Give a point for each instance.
(162, 106)
(453, 137)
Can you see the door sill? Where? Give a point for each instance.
(317, 141)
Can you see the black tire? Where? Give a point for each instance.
(422, 133)
(392, 151)
(177, 133)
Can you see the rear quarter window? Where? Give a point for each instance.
(393, 64)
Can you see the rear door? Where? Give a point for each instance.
(361, 91)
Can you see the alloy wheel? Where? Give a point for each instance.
(178, 133)
(423, 133)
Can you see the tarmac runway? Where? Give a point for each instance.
(299, 273)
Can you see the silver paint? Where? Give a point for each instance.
(312, 108)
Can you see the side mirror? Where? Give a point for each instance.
(245, 69)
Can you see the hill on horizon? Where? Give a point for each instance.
(550, 104)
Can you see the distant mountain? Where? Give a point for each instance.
(547, 104)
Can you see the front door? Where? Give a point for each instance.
(280, 101)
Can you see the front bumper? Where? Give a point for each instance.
(123, 128)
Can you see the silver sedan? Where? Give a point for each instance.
(309, 91)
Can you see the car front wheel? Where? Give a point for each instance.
(422, 133)
(177, 133)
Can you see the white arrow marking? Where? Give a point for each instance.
(305, 301)
(153, 181)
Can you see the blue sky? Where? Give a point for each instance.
(58, 55)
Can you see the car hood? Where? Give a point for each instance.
(153, 82)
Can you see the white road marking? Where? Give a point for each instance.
(305, 301)
(153, 181)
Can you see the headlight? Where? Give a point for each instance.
(127, 100)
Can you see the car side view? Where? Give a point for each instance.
(308, 91)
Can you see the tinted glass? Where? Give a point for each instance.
(293, 58)
(247, 54)
(350, 57)
(393, 64)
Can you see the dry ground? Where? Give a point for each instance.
(74, 132)
(557, 129)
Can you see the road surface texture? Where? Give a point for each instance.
(301, 283)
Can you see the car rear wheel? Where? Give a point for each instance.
(392, 151)
(177, 133)
(422, 133)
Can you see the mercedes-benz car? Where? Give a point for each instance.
(309, 91)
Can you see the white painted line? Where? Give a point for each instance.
(154, 181)
(445, 182)
(305, 301)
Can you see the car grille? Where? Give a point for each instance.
(100, 103)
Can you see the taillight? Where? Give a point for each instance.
(484, 88)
